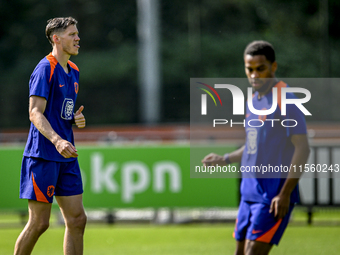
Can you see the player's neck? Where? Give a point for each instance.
(61, 57)
(271, 85)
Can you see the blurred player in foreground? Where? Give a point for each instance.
(266, 203)
(50, 166)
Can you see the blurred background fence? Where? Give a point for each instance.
(138, 174)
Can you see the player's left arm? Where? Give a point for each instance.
(280, 204)
(79, 118)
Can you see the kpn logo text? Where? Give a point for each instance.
(239, 103)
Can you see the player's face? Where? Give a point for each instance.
(259, 71)
(70, 40)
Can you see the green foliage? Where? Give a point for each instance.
(199, 39)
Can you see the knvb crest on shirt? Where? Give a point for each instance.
(251, 140)
(67, 109)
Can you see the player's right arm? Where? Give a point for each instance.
(214, 159)
(37, 107)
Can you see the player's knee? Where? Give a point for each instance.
(239, 248)
(40, 226)
(43, 227)
(255, 248)
(82, 221)
(77, 222)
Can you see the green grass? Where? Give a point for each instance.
(330, 216)
(176, 240)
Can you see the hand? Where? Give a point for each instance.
(280, 206)
(79, 118)
(66, 149)
(213, 159)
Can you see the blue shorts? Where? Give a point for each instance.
(41, 179)
(254, 222)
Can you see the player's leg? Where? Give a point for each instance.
(265, 230)
(257, 248)
(37, 181)
(38, 222)
(240, 247)
(68, 194)
(241, 225)
(75, 221)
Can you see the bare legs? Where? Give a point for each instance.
(249, 247)
(38, 222)
(39, 216)
(75, 220)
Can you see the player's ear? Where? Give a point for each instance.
(274, 67)
(55, 38)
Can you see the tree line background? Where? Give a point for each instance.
(203, 38)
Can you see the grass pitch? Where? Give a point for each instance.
(176, 240)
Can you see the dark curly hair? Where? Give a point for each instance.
(261, 48)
